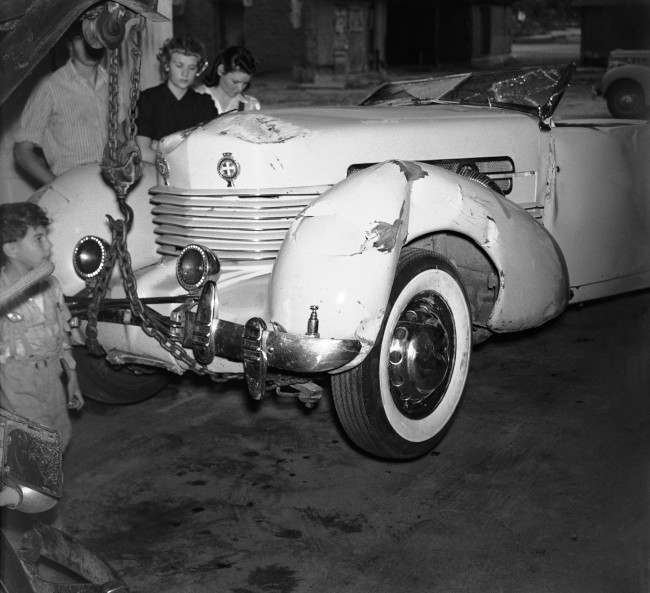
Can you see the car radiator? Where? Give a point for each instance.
(239, 225)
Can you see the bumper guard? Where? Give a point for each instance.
(258, 346)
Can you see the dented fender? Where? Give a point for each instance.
(341, 252)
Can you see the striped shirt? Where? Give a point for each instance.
(67, 117)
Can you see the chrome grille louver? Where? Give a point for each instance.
(239, 225)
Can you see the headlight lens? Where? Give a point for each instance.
(195, 265)
(89, 256)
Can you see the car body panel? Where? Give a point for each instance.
(78, 202)
(602, 221)
(307, 147)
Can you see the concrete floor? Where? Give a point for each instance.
(539, 486)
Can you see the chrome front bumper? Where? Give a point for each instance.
(259, 347)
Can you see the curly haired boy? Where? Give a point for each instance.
(34, 343)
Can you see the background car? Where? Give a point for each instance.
(626, 83)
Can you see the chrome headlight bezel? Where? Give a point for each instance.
(195, 266)
(89, 257)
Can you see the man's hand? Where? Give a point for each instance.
(75, 398)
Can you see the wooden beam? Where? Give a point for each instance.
(42, 24)
(11, 10)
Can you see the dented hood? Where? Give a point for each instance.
(316, 146)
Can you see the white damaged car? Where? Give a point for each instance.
(372, 244)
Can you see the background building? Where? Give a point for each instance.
(350, 37)
(612, 24)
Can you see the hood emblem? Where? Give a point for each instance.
(228, 168)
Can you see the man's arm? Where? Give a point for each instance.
(32, 162)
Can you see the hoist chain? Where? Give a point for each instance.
(122, 161)
(122, 168)
(113, 106)
(134, 91)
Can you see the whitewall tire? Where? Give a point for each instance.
(400, 400)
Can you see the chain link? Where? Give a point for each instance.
(98, 293)
(111, 150)
(136, 53)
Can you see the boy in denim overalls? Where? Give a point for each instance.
(34, 341)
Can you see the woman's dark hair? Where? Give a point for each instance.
(236, 57)
(185, 45)
(15, 219)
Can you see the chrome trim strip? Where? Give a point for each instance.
(305, 189)
(246, 205)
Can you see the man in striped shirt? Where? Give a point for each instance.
(66, 115)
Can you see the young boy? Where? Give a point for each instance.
(34, 343)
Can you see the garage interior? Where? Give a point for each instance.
(539, 485)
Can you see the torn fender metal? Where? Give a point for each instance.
(341, 253)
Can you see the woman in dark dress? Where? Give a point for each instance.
(173, 105)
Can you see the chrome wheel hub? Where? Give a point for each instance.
(421, 355)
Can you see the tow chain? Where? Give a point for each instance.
(122, 168)
(150, 326)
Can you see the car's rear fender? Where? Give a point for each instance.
(342, 251)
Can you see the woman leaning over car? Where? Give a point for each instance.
(228, 78)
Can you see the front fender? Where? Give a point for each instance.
(77, 203)
(342, 251)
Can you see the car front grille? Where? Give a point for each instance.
(240, 226)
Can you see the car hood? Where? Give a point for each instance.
(316, 146)
(315, 119)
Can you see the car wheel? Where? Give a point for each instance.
(400, 400)
(625, 99)
(108, 384)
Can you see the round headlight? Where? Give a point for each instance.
(89, 256)
(195, 265)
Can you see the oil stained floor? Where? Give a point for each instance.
(540, 485)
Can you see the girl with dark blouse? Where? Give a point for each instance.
(173, 105)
